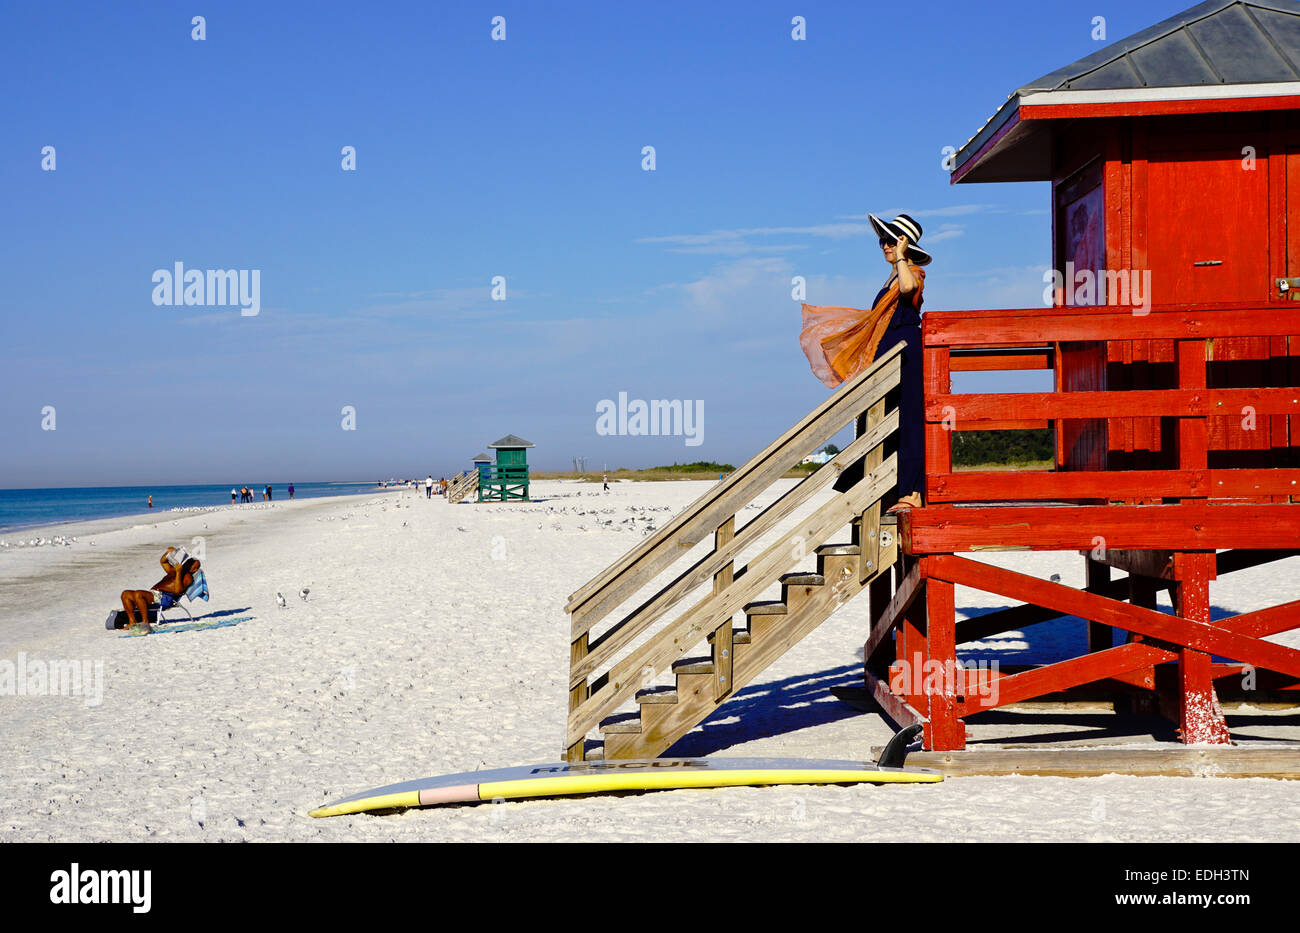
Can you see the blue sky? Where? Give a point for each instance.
(478, 158)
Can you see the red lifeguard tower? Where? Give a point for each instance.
(1174, 158)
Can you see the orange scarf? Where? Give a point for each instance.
(842, 342)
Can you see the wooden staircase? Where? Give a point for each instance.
(615, 671)
(462, 485)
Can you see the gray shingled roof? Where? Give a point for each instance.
(1213, 44)
(1219, 42)
(511, 440)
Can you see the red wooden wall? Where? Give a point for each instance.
(1205, 203)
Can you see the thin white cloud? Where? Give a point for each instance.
(738, 248)
(735, 286)
(953, 210)
(738, 242)
(834, 231)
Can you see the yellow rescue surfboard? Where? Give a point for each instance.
(564, 779)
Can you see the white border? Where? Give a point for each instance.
(1139, 94)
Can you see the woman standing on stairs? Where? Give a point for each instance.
(841, 342)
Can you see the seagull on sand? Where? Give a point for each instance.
(279, 600)
(303, 593)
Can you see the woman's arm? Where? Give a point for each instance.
(906, 280)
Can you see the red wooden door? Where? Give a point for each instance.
(1208, 221)
(1209, 236)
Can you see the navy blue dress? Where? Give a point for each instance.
(905, 325)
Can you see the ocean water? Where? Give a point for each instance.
(23, 508)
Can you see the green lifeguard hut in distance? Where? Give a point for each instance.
(507, 479)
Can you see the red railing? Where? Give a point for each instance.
(1190, 400)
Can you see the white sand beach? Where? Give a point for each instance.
(433, 640)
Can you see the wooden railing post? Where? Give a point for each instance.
(578, 694)
(723, 650)
(938, 434)
(866, 531)
(1193, 433)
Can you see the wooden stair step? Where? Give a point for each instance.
(803, 579)
(621, 724)
(657, 695)
(741, 637)
(767, 607)
(693, 666)
(839, 550)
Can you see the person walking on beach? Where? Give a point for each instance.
(841, 342)
(268, 492)
(291, 490)
(232, 495)
(428, 486)
(605, 483)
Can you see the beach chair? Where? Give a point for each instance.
(198, 589)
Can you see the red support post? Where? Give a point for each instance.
(944, 731)
(1200, 718)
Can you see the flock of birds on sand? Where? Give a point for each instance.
(65, 540)
(56, 541)
(637, 517)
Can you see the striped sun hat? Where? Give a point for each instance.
(902, 225)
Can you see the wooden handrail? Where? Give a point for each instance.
(971, 408)
(974, 486)
(651, 556)
(460, 485)
(626, 630)
(1026, 327)
(685, 632)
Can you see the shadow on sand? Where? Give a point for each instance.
(786, 706)
(772, 708)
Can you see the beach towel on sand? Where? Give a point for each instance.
(165, 629)
(842, 342)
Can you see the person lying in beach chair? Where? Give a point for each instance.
(183, 578)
